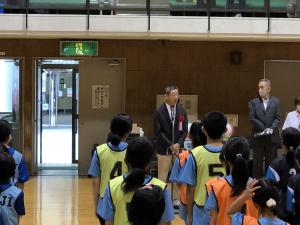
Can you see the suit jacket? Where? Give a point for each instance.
(163, 128)
(262, 119)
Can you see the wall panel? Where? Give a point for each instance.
(201, 68)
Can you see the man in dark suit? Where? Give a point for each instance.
(171, 128)
(264, 114)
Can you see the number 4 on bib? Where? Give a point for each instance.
(117, 170)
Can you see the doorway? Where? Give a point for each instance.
(10, 75)
(57, 114)
(60, 132)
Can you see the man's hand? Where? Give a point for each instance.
(175, 148)
(269, 130)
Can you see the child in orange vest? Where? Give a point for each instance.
(266, 198)
(198, 138)
(223, 191)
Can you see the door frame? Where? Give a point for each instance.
(74, 68)
(35, 61)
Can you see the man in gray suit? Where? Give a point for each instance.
(264, 114)
(171, 128)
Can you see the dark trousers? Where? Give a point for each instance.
(102, 221)
(296, 220)
(263, 154)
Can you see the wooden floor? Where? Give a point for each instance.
(61, 200)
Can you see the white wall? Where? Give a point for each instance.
(136, 27)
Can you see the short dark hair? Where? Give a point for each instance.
(147, 206)
(7, 167)
(169, 88)
(5, 130)
(297, 100)
(215, 124)
(290, 137)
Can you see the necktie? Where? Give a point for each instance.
(172, 114)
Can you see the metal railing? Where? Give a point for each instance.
(150, 8)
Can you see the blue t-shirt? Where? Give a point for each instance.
(21, 172)
(238, 219)
(107, 209)
(189, 176)
(175, 173)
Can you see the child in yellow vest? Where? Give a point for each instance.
(147, 205)
(203, 164)
(108, 159)
(197, 138)
(226, 189)
(266, 198)
(119, 191)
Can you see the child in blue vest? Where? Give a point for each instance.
(11, 197)
(21, 174)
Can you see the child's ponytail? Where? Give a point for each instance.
(138, 157)
(237, 151)
(134, 180)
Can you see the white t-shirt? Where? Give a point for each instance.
(292, 120)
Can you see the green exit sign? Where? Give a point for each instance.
(79, 48)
